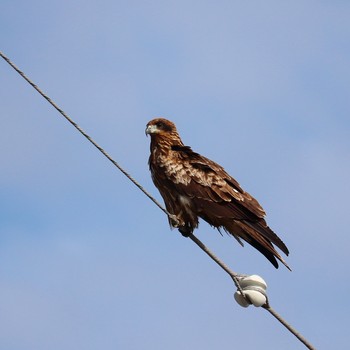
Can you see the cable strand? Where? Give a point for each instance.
(232, 274)
(48, 99)
(291, 329)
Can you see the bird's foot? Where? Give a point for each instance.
(175, 221)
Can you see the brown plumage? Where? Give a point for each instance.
(193, 187)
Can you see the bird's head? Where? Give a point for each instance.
(160, 126)
(163, 131)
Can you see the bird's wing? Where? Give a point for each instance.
(202, 179)
(220, 199)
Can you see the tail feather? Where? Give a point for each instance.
(258, 241)
(262, 228)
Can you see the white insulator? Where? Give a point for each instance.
(253, 288)
(241, 300)
(253, 280)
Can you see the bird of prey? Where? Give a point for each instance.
(193, 187)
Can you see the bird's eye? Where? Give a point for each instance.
(160, 125)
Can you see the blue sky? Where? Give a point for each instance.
(86, 260)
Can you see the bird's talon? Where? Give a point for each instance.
(175, 222)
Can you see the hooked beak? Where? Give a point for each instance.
(151, 129)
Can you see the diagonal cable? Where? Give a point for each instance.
(232, 274)
(48, 99)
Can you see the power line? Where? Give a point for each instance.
(233, 275)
